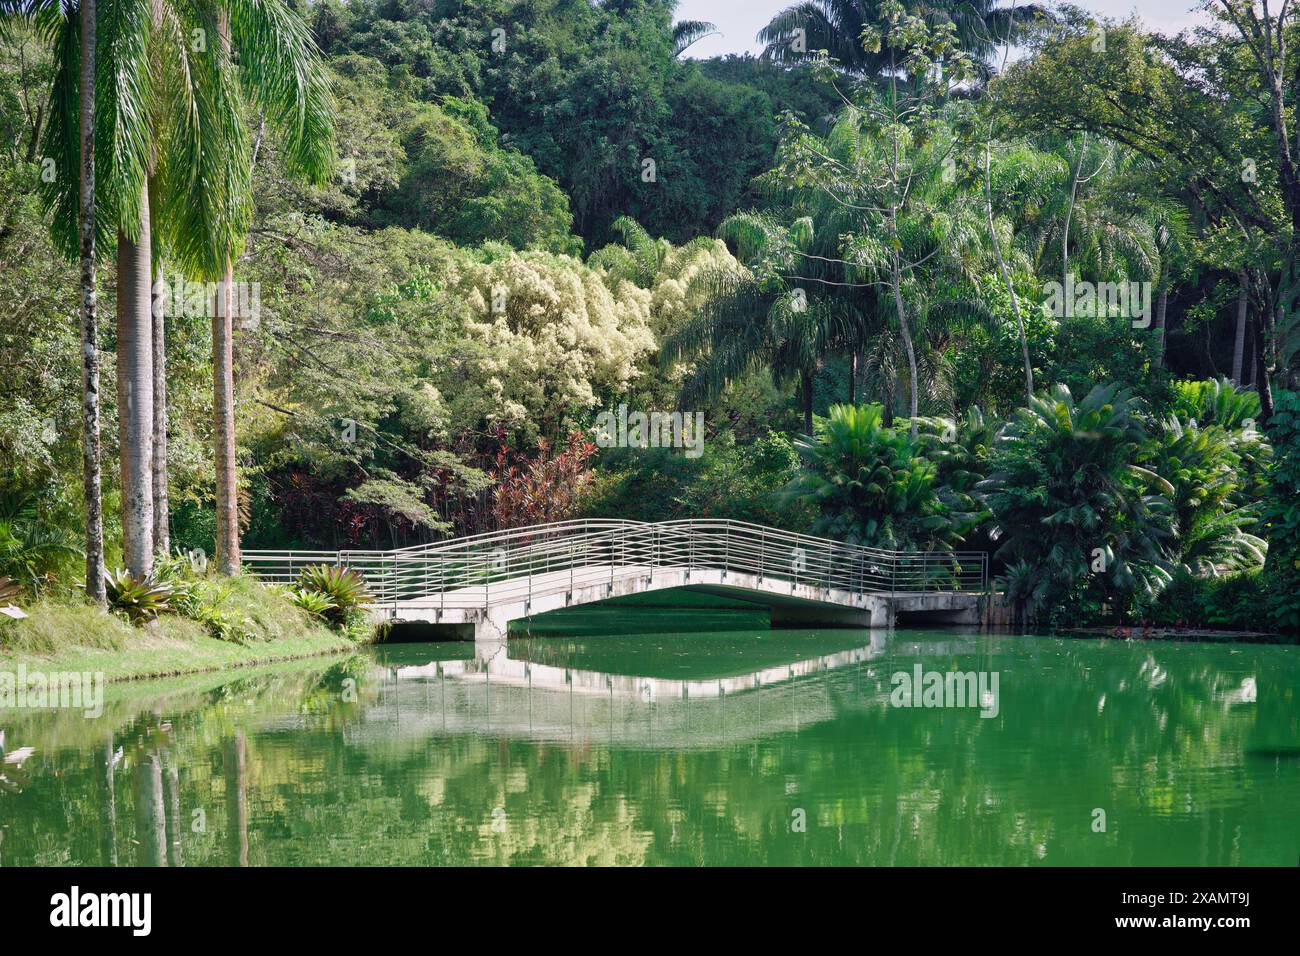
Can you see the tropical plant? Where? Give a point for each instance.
(137, 599)
(31, 550)
(1204, 472)
(547, 488)
(1281, 516)
(344, 587)
(756, 317)
(1077, 518)
(872, 485)
(317, 604)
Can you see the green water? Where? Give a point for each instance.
(739, 747)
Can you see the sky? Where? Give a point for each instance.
(739, 20)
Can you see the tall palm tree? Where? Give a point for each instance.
(173, 117)
(72, 30)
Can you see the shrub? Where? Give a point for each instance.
(1079, 519)
(1230, 602)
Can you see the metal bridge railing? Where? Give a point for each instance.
(523, 563)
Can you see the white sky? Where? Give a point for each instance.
(739, 20)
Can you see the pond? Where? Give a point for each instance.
(734, 747)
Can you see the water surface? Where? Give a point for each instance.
(740, 747)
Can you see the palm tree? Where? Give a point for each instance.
(73, 33)
(836, 26)
(686, 33)
(757, 317)
(1075, 511)
(175, 124)
(90, 449)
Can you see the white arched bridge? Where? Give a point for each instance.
(480, 583)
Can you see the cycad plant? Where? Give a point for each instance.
(1205, 472)
(872, 486)
(1078, 517)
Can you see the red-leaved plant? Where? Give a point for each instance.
(542, 489)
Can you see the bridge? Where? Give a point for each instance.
(476, 585)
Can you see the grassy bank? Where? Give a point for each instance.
(61, 636)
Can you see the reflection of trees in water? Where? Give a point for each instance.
(1147, 732)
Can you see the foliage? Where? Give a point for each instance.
(740, 481)
(1281, 515)
(1204, 472)
(316, 603)
(548, 488)
(31, 550)
(1238, 601)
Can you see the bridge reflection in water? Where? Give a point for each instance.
(498, 694)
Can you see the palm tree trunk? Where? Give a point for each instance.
(236, 771)
(1239, 341)
(853, 378)
(223, 411)
(896, 284)
(1069, 209)
(806, 397)
(223, 404)
(161, 510)
(90, 450)
(150, 815)
(135, 392)
(1162, 304)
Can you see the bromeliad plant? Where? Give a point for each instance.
(137, 599)
(315, 603)
(344, 589)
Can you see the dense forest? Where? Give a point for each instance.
(936, 274)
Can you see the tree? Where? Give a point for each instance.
(176, 116)
(65, 27)
(1189, 106)
(886, 161)
(799, 32)
(754, 316)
